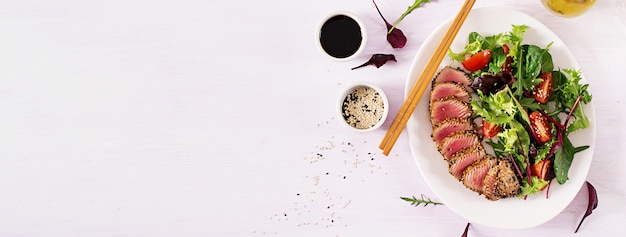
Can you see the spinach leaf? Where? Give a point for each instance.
(475, 37)
(563, 158)
(533, 60)
(546, 62)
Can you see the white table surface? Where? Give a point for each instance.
(206, 118)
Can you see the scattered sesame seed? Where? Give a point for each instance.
(329, 155)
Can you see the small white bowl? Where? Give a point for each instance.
(381, 96)
(318, 35)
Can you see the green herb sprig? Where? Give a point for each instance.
(415, 5)
(421, 201)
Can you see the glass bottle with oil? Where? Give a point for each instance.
(568, 8)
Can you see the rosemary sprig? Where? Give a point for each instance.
(422, 200)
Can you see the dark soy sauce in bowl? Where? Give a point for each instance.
(341, 36)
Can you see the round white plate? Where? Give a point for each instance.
(511, 213)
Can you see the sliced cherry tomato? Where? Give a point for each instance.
(505, 49)
(478, 60)
(543, 89)
(540, 126)
(490, 129)
(540, 169)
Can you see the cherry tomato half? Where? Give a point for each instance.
(478, 60)
(490, 129)
(540, 127)
(543, 89)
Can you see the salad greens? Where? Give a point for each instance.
(532, 130)
(478, 42)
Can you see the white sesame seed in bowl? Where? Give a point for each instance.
(363, 107)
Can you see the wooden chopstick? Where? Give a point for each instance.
(420, 86)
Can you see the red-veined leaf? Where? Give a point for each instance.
(593, 203)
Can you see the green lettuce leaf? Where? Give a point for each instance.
(477, 42)
(470, 48)
(536, 184)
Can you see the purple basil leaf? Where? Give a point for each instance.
(378, 60)
(593, 203)
(396, 38)
(466, 229)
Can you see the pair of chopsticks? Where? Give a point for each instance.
(418, 89)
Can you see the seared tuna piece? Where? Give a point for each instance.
(460, 160)
(501, 181)
(446, 89)
(449, 126)
(449, 107)
(474, 175)
(449, 74)
(457, 142)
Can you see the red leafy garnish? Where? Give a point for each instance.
(466, 229)
(525, 159)
(395, 37)
(593, 203)
(378, 60)
(519, 172)
(572, 110)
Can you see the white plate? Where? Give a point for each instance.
(511, 213)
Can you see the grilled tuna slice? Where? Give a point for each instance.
(449, 126)
(456, 142)
(446, 89)
(449, 74)
(449, 107)
(474, 175)
(501, 181)
(460, 160)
